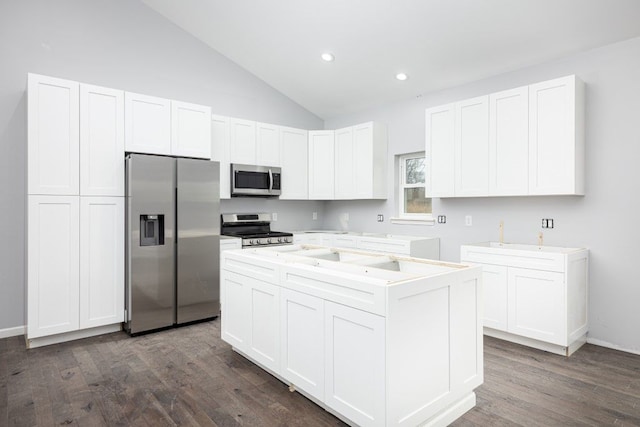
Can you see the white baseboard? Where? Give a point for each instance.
(601, 343)
(12, 332)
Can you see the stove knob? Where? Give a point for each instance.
(268, 240)
(252, 242)
(279, 239)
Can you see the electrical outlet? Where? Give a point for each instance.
(468, 221)
(380, 218)
(314, 216)
(547, 222)
(274, 216)
(442, 219)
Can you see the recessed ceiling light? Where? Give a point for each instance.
(402, 76)
(327, 57)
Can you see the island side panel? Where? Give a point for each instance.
(434, 346)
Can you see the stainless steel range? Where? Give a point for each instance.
(254, 230)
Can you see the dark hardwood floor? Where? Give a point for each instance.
(189, 377)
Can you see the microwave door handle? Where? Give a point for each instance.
(270, 181)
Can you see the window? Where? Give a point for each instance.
(413, 203)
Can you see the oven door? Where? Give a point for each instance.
(249, 180)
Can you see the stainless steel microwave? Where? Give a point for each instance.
(257, 181)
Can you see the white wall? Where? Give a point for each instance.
(121, 44)
(604, 220)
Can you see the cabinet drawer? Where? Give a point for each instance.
(255, 268)
(385, 245)
(513, 258)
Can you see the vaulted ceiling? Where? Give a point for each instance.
(438, 43)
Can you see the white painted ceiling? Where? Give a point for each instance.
(438, 43)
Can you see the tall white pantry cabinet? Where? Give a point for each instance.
(75, 205)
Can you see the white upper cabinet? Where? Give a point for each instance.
(101, 261)
(190, 130)
(267, 144)
(147, 124)
(53, 136)
(242, 142)
(294, 153)
(556, 137)
(524, 141)
(220, 129)
(101, 141)
(439, 133)
(321, 164)
(370, 156)
(509, 142)
(344, 164)
(361, 162)
(472, 147)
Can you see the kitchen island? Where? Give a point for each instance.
(377, 340)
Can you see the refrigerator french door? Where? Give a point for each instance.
(172, 253)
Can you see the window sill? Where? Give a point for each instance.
(413, 221)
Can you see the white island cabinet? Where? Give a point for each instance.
(533, 295)
(378, 340)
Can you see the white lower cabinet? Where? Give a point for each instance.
(494, 285)
(101, 261)
(538, 305)
(376, 347)
(75, 267)
(264, 319)
(53, 265)
(302, 341)
(235, 310)
(535, 296)
(355, 364)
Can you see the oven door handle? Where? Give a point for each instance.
(270, 181)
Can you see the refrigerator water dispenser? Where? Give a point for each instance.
(151, 230)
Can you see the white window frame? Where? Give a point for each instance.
(404, 217)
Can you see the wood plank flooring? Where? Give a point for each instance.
(189, 377)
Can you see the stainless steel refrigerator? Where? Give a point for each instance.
(173, 234)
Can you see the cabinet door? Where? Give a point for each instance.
(302, 341)
(190, 130)
(440, 150)
(321, 165)
(53, 136)
(234, 309)
(267, 145)
(537, 305)
(264, 323)
(494, 285)
(355, 364)
(101, 261)
(509, 142)
(363, 162)
(147, 124)
(345, 185)
(472, 147)
(52, 265)
(242, 144)
(552, 137)
(220, 140)
(294, 148)
(101, 141)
